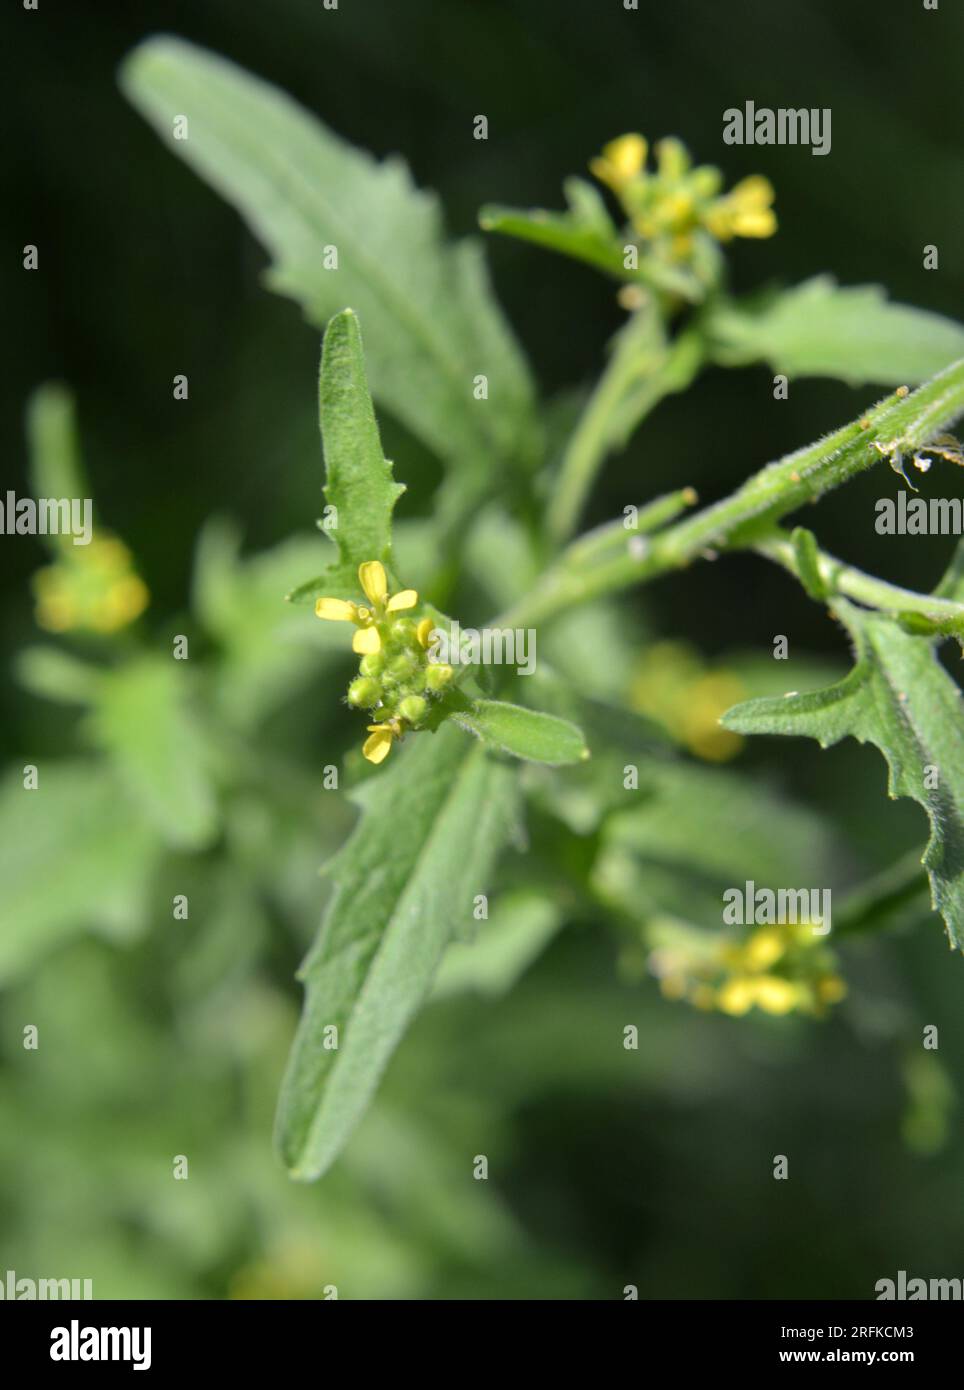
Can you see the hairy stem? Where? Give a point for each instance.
(841, 578)
(618, 559)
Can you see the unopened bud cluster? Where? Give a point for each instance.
(397, 681)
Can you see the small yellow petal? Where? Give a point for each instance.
(776, 996)
(753, 192)
(754, 223)
(621, 160)
(378, 745)
(736, 997)
(372, 578)
(672, 158)
(764, 948)
(424, 632)
(407, 598)
(336, 610)
(366, 640)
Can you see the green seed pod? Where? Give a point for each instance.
(364, 693)
(437, 676)
(373, 664)
(412, 709)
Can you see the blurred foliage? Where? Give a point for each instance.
(161, 1036)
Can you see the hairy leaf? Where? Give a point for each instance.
(308, 195)
(404, 885)
(359, 478)
(899, 698)
(525, 733)
(820, 329)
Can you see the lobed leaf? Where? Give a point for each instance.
(899, 698)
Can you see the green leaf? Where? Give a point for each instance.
(587, 233)
(237, 600)
(688, 832)
(819, 329)
(56, 675)
(74, 855)
(55, 468)
(525, 733)
(899, 698)
(144, 721)
(807, 555)
(426, 304)
(952, 581)
(521, 924)
(404, 885)
(359, 478)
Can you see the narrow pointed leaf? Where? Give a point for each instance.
(404, 886)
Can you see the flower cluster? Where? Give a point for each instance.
(674, 205)
(671, 685)
(396, 679)
(778, 969)
(92, 588)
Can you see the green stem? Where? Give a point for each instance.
(747, 518)
(877, 902)
(640, 372)
(841, 578)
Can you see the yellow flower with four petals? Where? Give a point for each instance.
(397, 677)
(374, 583)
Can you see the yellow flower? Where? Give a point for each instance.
(621, 161)
(378, 745)
(831, 989)
(736, 996)
(374, 583)
(764, 948)
(775, 995)
(95, 589)
(744, 211)
(672, 686)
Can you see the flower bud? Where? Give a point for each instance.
(403, 632)
(412, 709)
(373, 664)
(437, 676)
(401, 668)
(364, 692)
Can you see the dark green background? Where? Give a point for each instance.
(146, 273)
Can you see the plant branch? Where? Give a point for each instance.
(617, 559)
(841, 578)
(641, 371)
